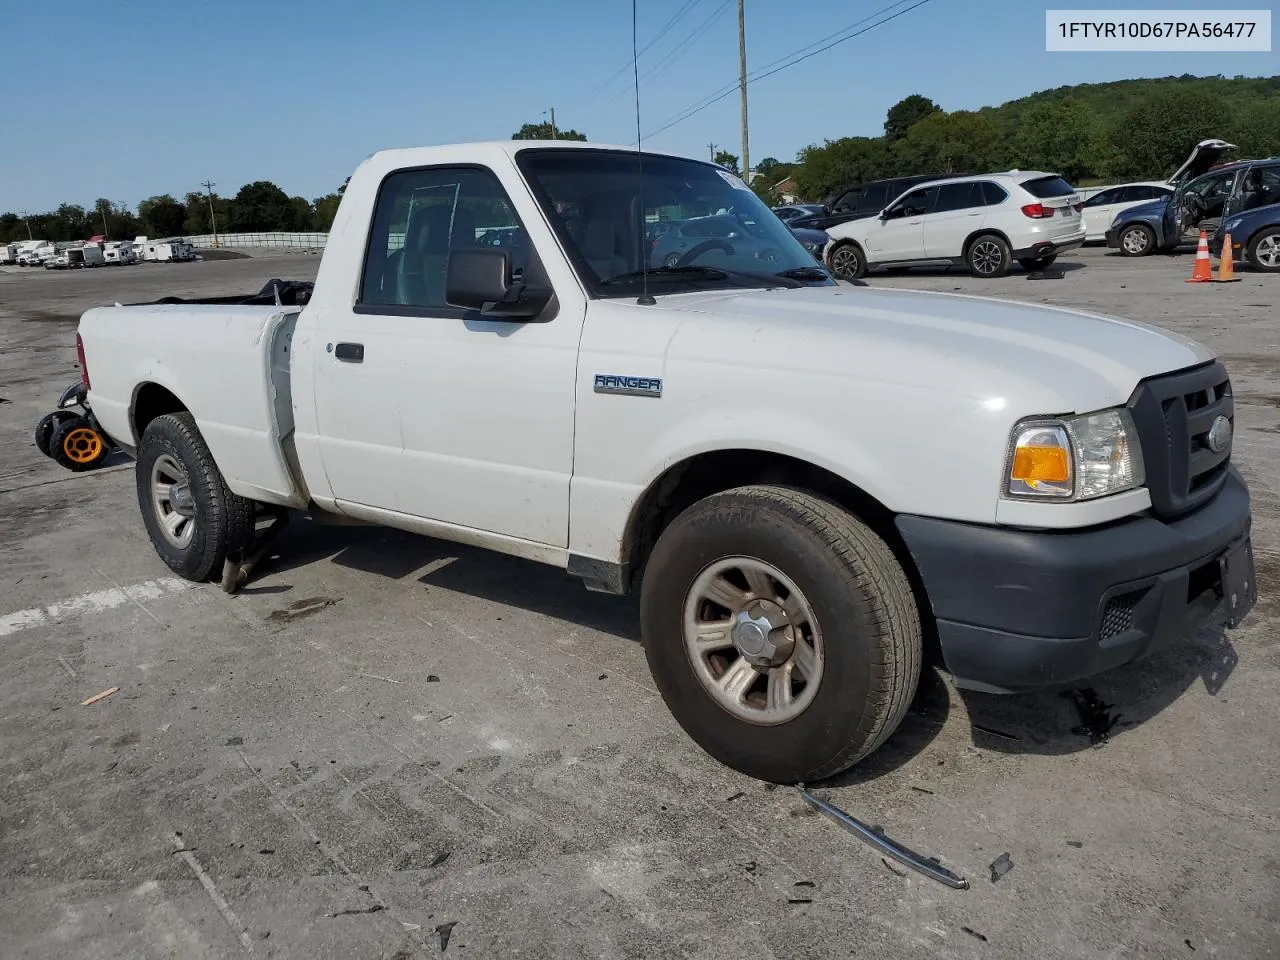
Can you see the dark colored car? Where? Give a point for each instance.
(815, 241)
(864, 200)
(1202, 201)
(1255, 236)
(795, 211)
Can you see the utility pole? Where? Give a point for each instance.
(742, 86)
(712, 148)
(213, 219)
(26, 218)
(553, 124)
(102, 210)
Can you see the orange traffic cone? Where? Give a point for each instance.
(1203, 270)
(1226, 263)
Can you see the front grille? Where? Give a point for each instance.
(1117, 617)
(1173, 414)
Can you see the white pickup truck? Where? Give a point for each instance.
(809, 483)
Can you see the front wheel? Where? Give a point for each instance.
(988, 256)
(1264, 250)
(781, 631)
(1137, 240)
(847, 262)
(193, 520)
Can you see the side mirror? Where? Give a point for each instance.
(481, 280)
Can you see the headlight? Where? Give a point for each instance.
(814, 248)
(1074, 459)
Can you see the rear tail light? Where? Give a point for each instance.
(84, 367)
(1037, 211)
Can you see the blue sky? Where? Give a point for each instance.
(126, 100)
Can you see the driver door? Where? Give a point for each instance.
(898, 234)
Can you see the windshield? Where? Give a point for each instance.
(692, 225)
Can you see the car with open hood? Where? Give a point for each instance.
(1206, 191)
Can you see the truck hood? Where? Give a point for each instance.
(1047, 360)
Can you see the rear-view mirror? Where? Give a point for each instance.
(481, 280)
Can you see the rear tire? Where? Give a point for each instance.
(849, 624)
(1264, 250)
(1138, 240)
(988, 256)
(192, 518)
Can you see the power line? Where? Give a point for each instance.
(791, 60)
(676, 51)
(684, 10)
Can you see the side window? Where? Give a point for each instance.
(420, 218)
(847, 202)
(1106, 197)
(993, 193)
(957, 196)
(874, 197)
(916, 203)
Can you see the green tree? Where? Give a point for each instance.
(162, 216)
(904, 114)
(543, 131)
(953, 143)
(261, 206)
(1156, 135)
(1063, 138)
(727, 160)
(823, 171)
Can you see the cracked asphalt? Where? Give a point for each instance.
(383, 735)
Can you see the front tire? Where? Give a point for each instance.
(46, 427)
(781, 631)
(988, 256)
(848, 262)
(1138, 240)
(192, 518)
(1264, 250)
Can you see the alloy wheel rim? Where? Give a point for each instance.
(753, 640)
(171, 501)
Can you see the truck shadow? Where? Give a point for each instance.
(1053, 722)
(1056, 721)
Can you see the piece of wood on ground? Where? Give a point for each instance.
(99, 696)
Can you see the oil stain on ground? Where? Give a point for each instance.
(301, 608)
(1096, 717)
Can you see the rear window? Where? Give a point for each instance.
(1045, 187)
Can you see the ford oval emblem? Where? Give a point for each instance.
(1219, 437)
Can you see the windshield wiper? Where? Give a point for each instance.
(804, 273)
(699, 272)
(692, 271)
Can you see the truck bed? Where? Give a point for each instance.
(225, 362)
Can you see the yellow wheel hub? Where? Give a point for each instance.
(82, 445)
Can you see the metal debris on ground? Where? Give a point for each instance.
(445, 930)
(234, 742)
(1075, 843)
(99, 696)
(432, 678)
(440, 858)
(974, 933)
(930, 867)
(893, 867)
(1045, 275)
(1000, 866)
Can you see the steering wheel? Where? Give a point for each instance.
(1195, 205)
(706, 246)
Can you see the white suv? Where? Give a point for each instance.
(985, 223)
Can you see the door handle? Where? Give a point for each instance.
(914, 222)
(976, 213)
(349, 352)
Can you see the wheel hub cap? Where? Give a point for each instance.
(763, 634)
(181, 500)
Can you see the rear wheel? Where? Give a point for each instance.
(781, 631)
(1137, 240)
(847, 262)
(1264, 250)
(988, 256)
(192, 518)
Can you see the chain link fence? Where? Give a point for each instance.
(271, 240)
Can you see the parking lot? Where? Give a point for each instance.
(383, 735)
